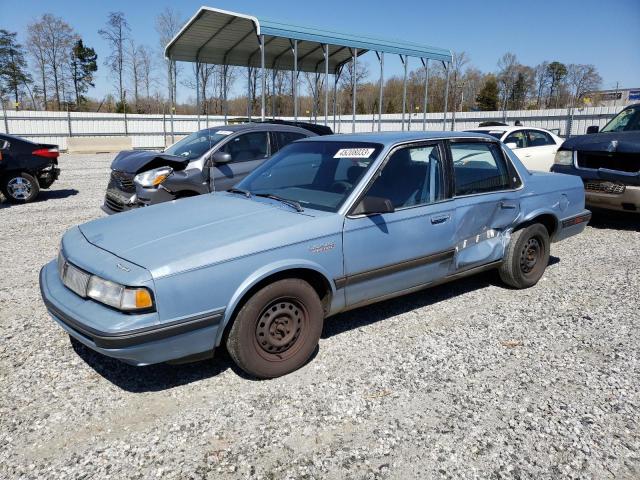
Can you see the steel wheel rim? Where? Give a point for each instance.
(19, 188)
(531, 256)
(281, 328)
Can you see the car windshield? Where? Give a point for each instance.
(494, 133)
(318, 175)
(626, 121)
(196, 144)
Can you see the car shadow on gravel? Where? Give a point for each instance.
(613, 220)
(152, 378)
(43, 196)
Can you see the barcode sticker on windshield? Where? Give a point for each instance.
(354, 153)
(224, 132)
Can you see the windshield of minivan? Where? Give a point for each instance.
(627, 120)
(318, 175)
(196, 144)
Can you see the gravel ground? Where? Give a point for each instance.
(467, 380)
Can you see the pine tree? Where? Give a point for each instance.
(13, 66)
(83, 66)
(487, 99)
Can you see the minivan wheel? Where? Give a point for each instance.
(526, 257)
(19, 187)
(277, 330)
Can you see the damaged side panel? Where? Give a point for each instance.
(483, 229)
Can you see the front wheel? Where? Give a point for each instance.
(19, 187)
(526, 257)
(277, 329)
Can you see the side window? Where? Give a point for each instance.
(479, 168)
(247, 147)
(412, 176)
(519, 138)
(539, 139)
(285, 138)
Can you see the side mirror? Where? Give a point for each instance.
(593, 129)
(370, 205)
(512, 145)
(221, 157)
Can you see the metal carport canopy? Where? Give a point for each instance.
(227, 38)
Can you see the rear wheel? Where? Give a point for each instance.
(277, 329)
(19, 187)
(526, 257)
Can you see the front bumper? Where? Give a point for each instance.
(153, 343)
(625, 199)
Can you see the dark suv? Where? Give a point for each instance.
(608, 161)
(207, 160)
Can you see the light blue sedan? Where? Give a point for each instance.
(328, 224)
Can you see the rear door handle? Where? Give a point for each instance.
(508, 206)
(436, 219)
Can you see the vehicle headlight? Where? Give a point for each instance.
(564, 157)
(153, 178)
(128, 299)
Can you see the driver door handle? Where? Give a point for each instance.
(437, 219)
(508, 206)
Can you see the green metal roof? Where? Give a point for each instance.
(221, 37)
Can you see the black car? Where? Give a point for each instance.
(26, 167)
(211, 159)
(608, 161)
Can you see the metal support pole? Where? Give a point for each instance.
(6, 120)
(426, 93)
(326, 85)
(224, 92)
(172, 98)
(273, 93)
(446, 95)
(294, 80)
(405, 62)
(69, 120)
(354, 83)
(263, 75)
(164, 126)
(336, 77)
(124, 109)
(249, 106)
(380, 98)
(198, 92)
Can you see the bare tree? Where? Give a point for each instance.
(134, 64)
(168, 22)
(50, 41)
(507, 77)
(582, 79)
(541, 82)
(360, 73)
(116, 34)
(146, 69)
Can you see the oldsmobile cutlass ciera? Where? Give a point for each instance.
(328, 224)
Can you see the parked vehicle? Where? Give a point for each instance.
(608, 161)
(26, 167)
(207, 160)
(328, 224)
(535, 147)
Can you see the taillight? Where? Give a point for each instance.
(46, 152)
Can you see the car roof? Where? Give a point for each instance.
(505, 128)
(391, 138)
(239, 127)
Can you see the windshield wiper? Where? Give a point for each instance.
(246, 193)
(286, 201)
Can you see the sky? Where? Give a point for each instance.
(603, 33)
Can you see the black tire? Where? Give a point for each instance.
(277, 330)
(526, 257)
(19, 187)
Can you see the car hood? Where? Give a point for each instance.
(623, 142)
(136, 161)
(203, 230)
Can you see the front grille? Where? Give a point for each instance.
(604, 187)
(113, 203)
(624, 162)
(122, 181)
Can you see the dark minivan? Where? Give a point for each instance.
(205, 161)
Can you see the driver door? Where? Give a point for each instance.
(388, 253)
(248, 151)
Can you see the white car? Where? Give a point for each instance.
(535, 147)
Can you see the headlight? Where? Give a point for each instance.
(118, 296)
(153, 178)
(564, 157)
